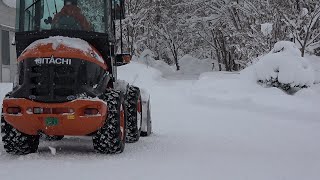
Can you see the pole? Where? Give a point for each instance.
(121, 45)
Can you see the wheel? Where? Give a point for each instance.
(134, 111)
(53, 138)
(110, 139)
(16, 142)
(147, 128)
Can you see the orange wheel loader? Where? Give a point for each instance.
(66, 82)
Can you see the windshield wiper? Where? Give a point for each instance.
(32, 5)
(55, 5)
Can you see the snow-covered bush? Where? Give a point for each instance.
(283, 68)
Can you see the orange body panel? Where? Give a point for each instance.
(62, 51)
(73, 124)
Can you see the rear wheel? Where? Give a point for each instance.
(134, 111)
(16, 142)
(110, 139)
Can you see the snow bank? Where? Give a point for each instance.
(74, 43)
(312, 93)
(282, 66)
(147, 58)
(232, 90)
(315, 63)
(193, 66)
(10, 3)
(139, 74)
(189, 66)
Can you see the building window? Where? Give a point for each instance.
(5, 48)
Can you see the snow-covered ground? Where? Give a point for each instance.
(219, 126)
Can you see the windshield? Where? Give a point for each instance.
(83, 15)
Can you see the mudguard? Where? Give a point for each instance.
(146, 113)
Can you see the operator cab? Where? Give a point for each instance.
(81, 15)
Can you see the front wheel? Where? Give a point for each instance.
(110, 139)
(16, 142)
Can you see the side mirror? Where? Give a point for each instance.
(123, 59)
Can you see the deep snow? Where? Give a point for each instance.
(219, 126)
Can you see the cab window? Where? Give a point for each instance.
(83, 15)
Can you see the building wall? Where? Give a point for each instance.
(8, 68)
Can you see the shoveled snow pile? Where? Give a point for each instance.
(315, 63)
(74, 43)
(193, 66)
(10, 3)
(147, 58)
(229, 89)
(283, 66)
(138, 74)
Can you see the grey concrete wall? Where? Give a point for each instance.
(7, 15)
(7, 23)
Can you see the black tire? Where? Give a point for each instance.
(149, 121)
(53, 138)
(16, 142)
(110, 139)
(132, 102)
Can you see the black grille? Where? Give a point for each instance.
(40, 91)
(38, 69)
(63, 92)
(64, 70)
(51, 82)
(58, 83)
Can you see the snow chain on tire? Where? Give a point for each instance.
(108, 139)
(16, 142)
(132, 98)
